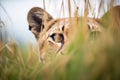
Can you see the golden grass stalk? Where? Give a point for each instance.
(6, 13)
(100, 7)
(44, 5)
(69, 8)
(62, 9)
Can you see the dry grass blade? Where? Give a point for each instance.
(69, 8)
(89, 5)
(100, 7)
(6, 13)
(9, 49)
(44, 4)
(86, 9)
(1, 48)
(75, 3)
(1, 23)
(62, 8)
(111, 3)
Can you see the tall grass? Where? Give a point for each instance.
(83, 59)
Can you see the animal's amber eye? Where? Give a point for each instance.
(57, 37)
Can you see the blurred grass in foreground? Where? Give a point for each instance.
(84, 60)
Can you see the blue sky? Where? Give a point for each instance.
(18, 9)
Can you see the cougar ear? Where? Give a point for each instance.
(37, 17)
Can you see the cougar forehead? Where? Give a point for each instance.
(58, 27)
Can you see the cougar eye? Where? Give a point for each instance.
(57, 37)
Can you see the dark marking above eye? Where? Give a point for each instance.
(89, 27)
(57, 37)
(63, 28)
(51, 25)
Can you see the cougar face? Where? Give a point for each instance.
(52, 35)
(53, 39)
